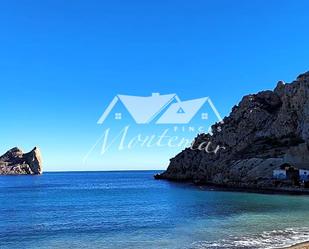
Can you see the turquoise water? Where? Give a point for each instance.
(132, 210)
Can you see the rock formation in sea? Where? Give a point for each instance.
(262, 132)
(16, 162)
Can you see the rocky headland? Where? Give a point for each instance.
(16, 162)
(263, 132)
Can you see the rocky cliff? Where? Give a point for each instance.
(261, 133)
(15, 162)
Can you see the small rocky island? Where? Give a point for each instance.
(16, 162)
(265, 140)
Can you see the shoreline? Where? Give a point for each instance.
(303, 245)
(247, 189)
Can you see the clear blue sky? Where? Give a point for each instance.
(61, 63)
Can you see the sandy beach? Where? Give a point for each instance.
(304, 245)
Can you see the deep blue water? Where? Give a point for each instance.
(132, 210)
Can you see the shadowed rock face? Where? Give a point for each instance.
(15, 162)
(262, 132)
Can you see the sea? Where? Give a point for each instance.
(129, 209)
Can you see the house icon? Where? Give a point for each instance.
(166, 109)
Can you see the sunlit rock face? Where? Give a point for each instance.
(261, 133)
(15, 162)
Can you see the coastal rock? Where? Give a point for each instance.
(15, 162)
(261, 133)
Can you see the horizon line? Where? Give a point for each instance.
(118, 170)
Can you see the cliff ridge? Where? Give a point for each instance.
(16, 162)
(263, 132)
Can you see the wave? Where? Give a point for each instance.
(266, 240)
